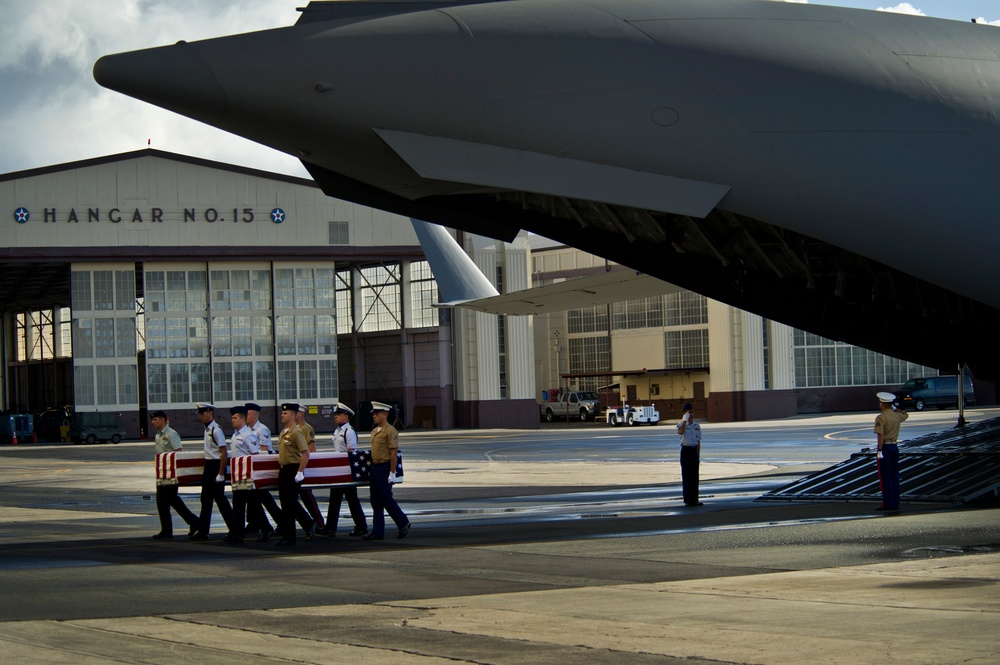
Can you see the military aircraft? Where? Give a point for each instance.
(824, 167)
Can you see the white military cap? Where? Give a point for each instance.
(886, 397)
(343, 408)
(380, 406)
(204, 406)
(303, 408)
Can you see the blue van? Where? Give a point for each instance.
(939, 391)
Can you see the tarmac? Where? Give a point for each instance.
(941, 608)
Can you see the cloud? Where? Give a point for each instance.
(902, 8)
(55, 112)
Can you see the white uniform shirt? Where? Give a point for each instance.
(243, 443)
(345, 438)
(691, 436)
(263, 435)
(214, 439)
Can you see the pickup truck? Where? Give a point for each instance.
(573, 404)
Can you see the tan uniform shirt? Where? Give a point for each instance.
(307, 431)
(887, 424)
(167, 440)
(291, 445)
(384, 440)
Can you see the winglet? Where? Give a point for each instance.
(458, 278)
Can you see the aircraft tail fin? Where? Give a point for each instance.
(458, 278)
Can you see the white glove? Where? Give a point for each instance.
(299, 477)
(879, 454)
(220, 478)
(687, 417)
(392, 478)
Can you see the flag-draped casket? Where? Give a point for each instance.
(261, 471)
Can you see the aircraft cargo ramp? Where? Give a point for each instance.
(954, 466)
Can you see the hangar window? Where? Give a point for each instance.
(328, 386)
(423, 293)
(36, 335)
(83, 385)
(80, 281)
(156, 383)
(820, 362)
(380, 298)
(265, 380)
(345, 302)
(308, 379)
(588, 355)
(686, 349)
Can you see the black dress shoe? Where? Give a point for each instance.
(193, 530)
(265, 536)
(163, 536)
(230, 538)
(693, 505)
(198, 537)
(371, 536)
(403, 530)
(325, 531)
(284, 542)
(311, 532)
(358, 531)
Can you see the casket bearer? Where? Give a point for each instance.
(345, 439)
(385, 446)
(242, 443)
(213, 479)
(293, 456)
(167, 440)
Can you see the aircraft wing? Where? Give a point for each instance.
(618, 285)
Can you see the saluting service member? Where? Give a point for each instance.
(167, 440)
(293, 456)
(307, 496)
(385, 447)
(242, 443)
(213, 479)
(887, 459)
(690, 432)
(345, 439)
(259, 522)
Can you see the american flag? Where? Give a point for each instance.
(180, 468)
(323, 470)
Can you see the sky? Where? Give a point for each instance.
(52, 111)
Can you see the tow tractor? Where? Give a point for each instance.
(632, 415)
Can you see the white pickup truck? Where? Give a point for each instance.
(574, 404)
(632, 415)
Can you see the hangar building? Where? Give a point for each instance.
(150, 280)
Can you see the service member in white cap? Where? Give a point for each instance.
(887, 431)
(385, 446)
(257, 522)
(345, 439)
(213, 478)
(307, 496)
(242, 443)
(293, 456)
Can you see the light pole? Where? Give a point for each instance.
(556, 347)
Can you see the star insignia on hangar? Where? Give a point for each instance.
(277, 215)
(21, 215)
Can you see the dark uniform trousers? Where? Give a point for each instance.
(690, 460)
(381, 497)
(312, 505)
(291, 509)
(264, 501)
(888, 476)
(245, 502)
(337, 495)
(212, 491)
(167, 498)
